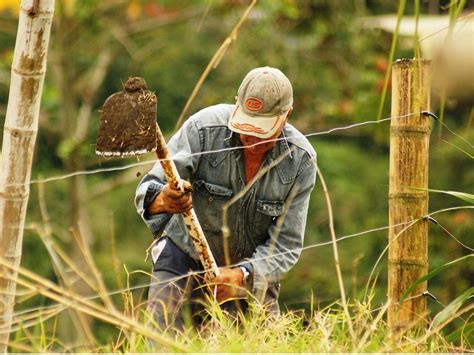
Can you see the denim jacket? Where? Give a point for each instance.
(266, 224)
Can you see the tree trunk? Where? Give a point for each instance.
(19, 135)
(409, 148)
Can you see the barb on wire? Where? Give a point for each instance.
(423, 294)
(429, 294)
(432, 115)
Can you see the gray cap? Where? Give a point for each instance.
(264, 98)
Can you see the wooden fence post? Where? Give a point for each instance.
(19, 136)
(409, 149)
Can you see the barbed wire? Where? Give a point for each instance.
(436, 222)
(425, 293)
(201, 273)
(185, 156)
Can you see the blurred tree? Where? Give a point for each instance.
(19, 136)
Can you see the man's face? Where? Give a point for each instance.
(263, 145)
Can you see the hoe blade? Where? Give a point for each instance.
(128, 121)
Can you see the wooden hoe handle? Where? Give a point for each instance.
(190, 218)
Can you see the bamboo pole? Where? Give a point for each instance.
(409, 144)
(19, 136)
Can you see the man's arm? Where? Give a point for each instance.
(154, 199)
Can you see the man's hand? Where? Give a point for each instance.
(229, 284)
(172, 201)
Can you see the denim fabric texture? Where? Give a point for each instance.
(266, 224)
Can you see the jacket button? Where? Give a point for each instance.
(211, 199)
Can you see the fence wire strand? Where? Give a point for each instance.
(436, 222)
(177, 157)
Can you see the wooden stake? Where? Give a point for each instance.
(19, 136)
(409, 144)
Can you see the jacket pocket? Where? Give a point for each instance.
(267, 213)
(209, 200)
(270, 208)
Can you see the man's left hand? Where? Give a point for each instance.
(229, 284)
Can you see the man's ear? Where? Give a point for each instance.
(290, 111)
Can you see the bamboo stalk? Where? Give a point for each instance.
(19, 136)
(409, 144)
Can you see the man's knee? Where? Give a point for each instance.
(171, 284)
(166, 297)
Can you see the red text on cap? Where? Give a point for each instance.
(253, 104)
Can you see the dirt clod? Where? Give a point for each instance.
(135, 83)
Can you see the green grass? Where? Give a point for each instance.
(320, 330)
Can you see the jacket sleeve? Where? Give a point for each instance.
(182, 148)
(283, 247)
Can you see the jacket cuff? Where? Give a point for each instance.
(249, 267)
(152, 191)
(155, 222)
(258, 283)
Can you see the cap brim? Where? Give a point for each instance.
(257, 126)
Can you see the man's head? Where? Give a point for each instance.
(264, 102)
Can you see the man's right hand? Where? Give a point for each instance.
(172, 201)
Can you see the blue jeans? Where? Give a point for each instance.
(176, 301)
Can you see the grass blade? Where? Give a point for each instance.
(451, 308)
(461, 332)
(469, 198)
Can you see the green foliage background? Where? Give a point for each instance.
(337, 68)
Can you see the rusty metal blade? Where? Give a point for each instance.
(128, 121)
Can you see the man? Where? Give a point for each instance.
(217, 152)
